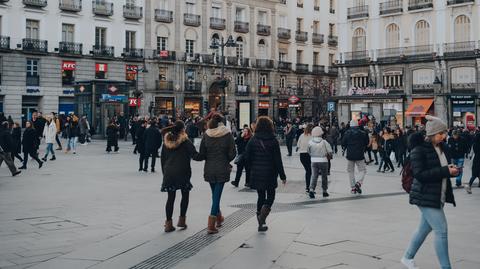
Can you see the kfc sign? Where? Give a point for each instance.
(101, 67)
(164, 53)
(134, 102)
(68, 66)
(131, 69)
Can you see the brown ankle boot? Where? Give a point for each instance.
(182, 223)
(169, 226)
(220, 219)
(264, 212)
(211, 229)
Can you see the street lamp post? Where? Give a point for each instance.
(137, 92)
(222, 44)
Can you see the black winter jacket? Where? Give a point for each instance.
(30, 140)
(17, 139)
(152, 138)
(263, 156)
(457, 147)
(6, 141)
(241, 144)
(428, 175)
(355, 141)
(112, 133)
(139, 134)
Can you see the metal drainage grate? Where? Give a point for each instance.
(192, 245)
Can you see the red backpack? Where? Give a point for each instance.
(407, 175)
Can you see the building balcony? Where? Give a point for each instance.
(318, 39)
(191, 58)
(34, 45)
(264, 90)
(458, 2)
(419, 4)
(242, 90)
(391, 7)
(316, 8)
(191, 20)
(357, 12)
(301, 36)
(132, 12)
(35, 3)
(241, 27)
(459, 49)
(70, 48)
(217, 23)
(356, 57)
(162, 15)
(133, 54)
(284, 33)
(284, 66)
(164, 86)
(389, 55)
(193, 87)
(318, 69)
(208, 58)
(463, 87)
(264, 64)
(164, 55)
(4, 43)
(235, 61)
(333, 70)
(333, 40)
(32, 80)
(423, 88)
(102, 8)
(300, 5)
(70, 5)
(103, 51)
(263, 30)
(424, 52)
(301, 68)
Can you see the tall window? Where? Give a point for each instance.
(332, 6)
(68, 31)
(100, 36)
(283, 21)
(263, 79)
(130, 3)
(331, 58)
(32, 73)
(239, 48)
(422, 33)
(162, 43)
(190, 7)
(262, 17)
(462, 29)
(262, 49)
(282, 57)
(393, 36)
(299, 24)
(163, 4)
(241, 79)
(316, 57)
(216, 10)
(216, 40)
(130, 40)
(316, 27)
(240, 14)
(359, 40)
(33, 29)
(299, 56)
(331, 29)
(283, 81)
(190, 47)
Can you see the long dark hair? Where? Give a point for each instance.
(264, 125)
(175, 130)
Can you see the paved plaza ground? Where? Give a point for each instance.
(94, 210)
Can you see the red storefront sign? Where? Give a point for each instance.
(68, 66)
(134, 102)
(293, 99)
(131, 69)
(263, 105)
(101, 67)
(164, 53)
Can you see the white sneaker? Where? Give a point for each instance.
(409, 263)
(468, 189)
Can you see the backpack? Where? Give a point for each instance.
(407, 175)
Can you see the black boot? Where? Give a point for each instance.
(262, 217)
(44, 158)
(53, 158)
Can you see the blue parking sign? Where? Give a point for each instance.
(331, 107)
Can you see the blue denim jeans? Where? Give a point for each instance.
(72, 144)
(431, 219)
(459, 163)
(217, 189)
(49, 150)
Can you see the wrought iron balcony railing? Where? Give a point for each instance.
(217, 23)
(285, 66)
(241, 27)
(242, 90)
(333, 40)
(162, 15)
(164, 55)
(284, 33)
(34, 45)
(195, 87)
(103, 51)
(102, 8)
(419, 52)
(133, 53)
(391, 7)
(263, 30)
(70, 5)
(457, 2)
(132, 12)
(419, 4)
(208, 58)
(191, 20)
(301, 68)
(318, 38)
(356, 57)
(357, 12)
(301, 36)
(4, 42)
(70, 48)
(318, 69)
(264, 63)
(459, 49)
(35, 3)
(389, 55)
(164, 86)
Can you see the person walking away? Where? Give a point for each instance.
(457, 149)
(72, 133)
(302, 148)
(192, 130)
(289, 136)
(122, 122)
(241, 142)
(355, 142)
(133, 129)
(152, 138)
(49, 133)
(319, 150)
(475, 164)
(140, 146)
(175, 158)
(431, 189)
(38, 124)
(217, 148)
(58, 125)
(388, 147)
(374, 146)
(112, 137)
(333, 135)
(264, 158)
(7, 147)
(17, 142)
(83, 128)
(29, 145)
(400, 147)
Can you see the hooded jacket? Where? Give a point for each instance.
(175, 158)
(218, 150)
(355, 141)
(318, 149)
(50, 132)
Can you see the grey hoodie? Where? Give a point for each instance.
(318, 149)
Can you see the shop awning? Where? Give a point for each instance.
(419, 107)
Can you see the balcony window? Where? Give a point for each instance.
(130, 11)
(190, 48)
(391, 7)
(190, 19)
(419, 4)
(162, 43)
(357, 12)
(458, 2)
(163, 15)
(102, 8)
(32, 73)
(70, 5)
(35, 3)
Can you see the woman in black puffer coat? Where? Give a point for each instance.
(475, 163)
(431, 189)
(263, 156)
(30, 145)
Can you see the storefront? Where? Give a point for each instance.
(164, 106)
(192, 107)
(66, 105)
(418, 109)
(280, 109)
(244, 113)
(263, 107)
(463, 111)
(382, 110)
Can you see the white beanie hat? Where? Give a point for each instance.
(353, 123)
(317, 131)
(434, 125)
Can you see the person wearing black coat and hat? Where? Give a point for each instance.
(112, 137)
(17, 141)
(6, 148)
(140, 143)
(152, 138)
(262, 155)
(30, 146)
(431, 189)
(475, 163)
